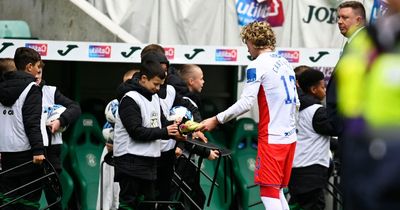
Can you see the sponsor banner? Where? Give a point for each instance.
(252, 10)
(40, 48)
(226, 55)
(182, 54)
(99, 51)
(293, 56)
(169, 53)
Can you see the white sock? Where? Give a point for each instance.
(284, 203)
(271, 203)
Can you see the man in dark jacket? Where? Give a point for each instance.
(20, 137)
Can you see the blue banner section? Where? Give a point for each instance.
(250, 10)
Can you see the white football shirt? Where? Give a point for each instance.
(270, 80)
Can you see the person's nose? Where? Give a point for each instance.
(340, 20)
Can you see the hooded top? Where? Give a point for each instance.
(320, 121)
(73, 110)
(12, 84)
(128, 106)
(130, 115)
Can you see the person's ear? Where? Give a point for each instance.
(359, 20)
(191, 81)
(142, 79)
(29, 67)
(313, 89)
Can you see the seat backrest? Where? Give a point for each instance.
(218, 196)
(245, 134)
(86, 146)
(14, 29)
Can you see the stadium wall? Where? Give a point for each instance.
(56, 20)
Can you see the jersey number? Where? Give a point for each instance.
(289, 98)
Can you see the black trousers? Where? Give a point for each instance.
(306, 187)
(313, 200)
(133, 191)
(165, 171)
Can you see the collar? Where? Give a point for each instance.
(354, 34)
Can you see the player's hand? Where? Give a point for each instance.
(180, 137)
(178, 152)
(38, 159)
(54, 125)
(210, 123)
(214, 154)
(200, 135)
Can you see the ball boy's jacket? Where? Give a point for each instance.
(129, 106)
(12, 84)
(320, 121)
(129, 162)
(51, 95)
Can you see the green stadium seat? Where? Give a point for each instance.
(43, 201)
(85, 148)
(244, 152)
(218, 200)
(14, 29)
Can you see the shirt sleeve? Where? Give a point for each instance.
(72, 112)
(247, 98)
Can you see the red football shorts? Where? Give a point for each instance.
(274, 164)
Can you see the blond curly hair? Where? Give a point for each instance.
(260, 34)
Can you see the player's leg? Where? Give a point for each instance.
(270, 197)
(287, 168)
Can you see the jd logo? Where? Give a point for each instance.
(133, 49)
(196, 51)
(5, 45)
(69, 48)
(321, 14)
(320, 55)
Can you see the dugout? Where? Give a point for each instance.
(94, 84)
(90, 72)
